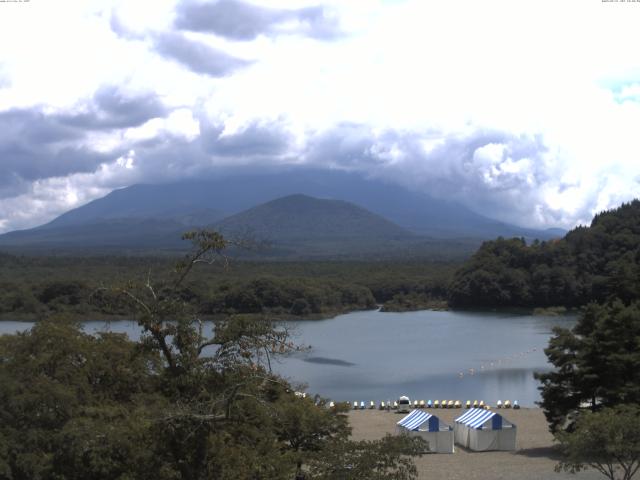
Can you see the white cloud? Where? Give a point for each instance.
(525, 111)
(48, 198)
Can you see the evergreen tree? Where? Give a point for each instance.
(597, 363)
(598, 263)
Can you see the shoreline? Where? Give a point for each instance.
(435, 306)
(535, 456)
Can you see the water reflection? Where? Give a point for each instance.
(426, 355)
(328, 361)
(437, 355)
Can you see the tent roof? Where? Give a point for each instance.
(416, 419)
(477, 417)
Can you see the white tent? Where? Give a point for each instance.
(421, 423)
(480, 430)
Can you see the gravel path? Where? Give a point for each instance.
(534, 459)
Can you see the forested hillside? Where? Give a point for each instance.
(202, 202)
(287, 228)
(594, 263)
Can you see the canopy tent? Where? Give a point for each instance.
(481, 430)
(428, 426)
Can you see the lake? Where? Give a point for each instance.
(426, 355)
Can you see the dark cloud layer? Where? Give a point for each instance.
(346, 145)
(239, 20)
(110, 109)
(484, 170)
(168, 157)
(32, 127)
(255, 140)
(25, 163)
(232, 19)
(197, 56)
(35, 145)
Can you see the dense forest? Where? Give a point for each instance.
(76, 405)
(34, 287)
(80, 406)
(594, 263)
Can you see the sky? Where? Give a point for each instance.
(525, 111)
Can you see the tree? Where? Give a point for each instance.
(73, 404)
(596, 263)
(384, 459)
(182, 403)
(597, 363)
(607, 441)
(227, 398)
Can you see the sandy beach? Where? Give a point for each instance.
(534, 458)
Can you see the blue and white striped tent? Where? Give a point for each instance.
(438, 434)
(480, 430)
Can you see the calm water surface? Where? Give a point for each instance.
(425, 355)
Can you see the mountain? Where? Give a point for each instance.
(295, 226)
(117, 235)
(152, 216)
(303, 226)
(230, 194)
(297, 217)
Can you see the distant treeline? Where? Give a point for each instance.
(36, 287)
(595, 263)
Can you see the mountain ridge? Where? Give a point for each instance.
(230, 194)
(154, 216)
(300, 216)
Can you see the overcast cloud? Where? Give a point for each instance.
(523, 111)
(197, 56)
(109, 109)
(239, 20)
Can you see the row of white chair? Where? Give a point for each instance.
(432, 404)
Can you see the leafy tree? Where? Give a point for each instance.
(300, 307)
(607, 441)
(595, 263)
(384, 459)
(183, 403)
(329, 288)
(61, 392)
(597, 363)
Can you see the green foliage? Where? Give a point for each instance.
(597, 363)
(34, 287)
(589, 264)
(182, 403)
(607, 441)
(413, 301)
(62, 390)
(69, 293)
(385, 459)
(284, 296)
